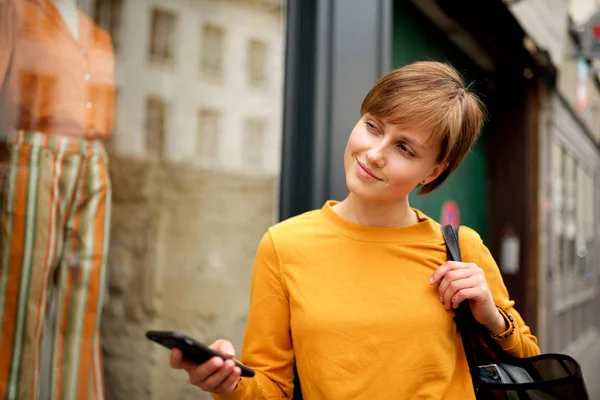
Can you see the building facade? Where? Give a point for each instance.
(569, 192)
(198, 83)
(195, 162)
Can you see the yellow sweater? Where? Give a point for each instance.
(352, 304)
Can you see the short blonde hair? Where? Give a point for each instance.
(431, 96)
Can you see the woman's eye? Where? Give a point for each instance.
(405, 150)
(371, 127)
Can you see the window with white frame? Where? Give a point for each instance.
(257, 62)
(574, 225)
(162, 36)
(211, 53)
(570, 221)
(156, 115)
(587, 252)
(108, 15)
(254, 142)
(209, 127)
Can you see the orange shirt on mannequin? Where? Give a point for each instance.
(51, 81)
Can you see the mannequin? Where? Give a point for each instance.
(70, 13)
(57, 106)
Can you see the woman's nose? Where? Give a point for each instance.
(376, 156)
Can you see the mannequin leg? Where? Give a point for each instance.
(46, 352)
(29, 239)
(77, 364)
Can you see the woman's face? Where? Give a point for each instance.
(384, 162)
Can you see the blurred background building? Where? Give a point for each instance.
(233, 114)
(195, 158)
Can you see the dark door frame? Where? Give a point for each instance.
(335, 52)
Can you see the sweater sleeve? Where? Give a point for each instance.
(522, 343)
(267, 344)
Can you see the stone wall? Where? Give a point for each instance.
(180, 258)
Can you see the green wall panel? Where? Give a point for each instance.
(415, 38)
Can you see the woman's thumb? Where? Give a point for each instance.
(224, 347)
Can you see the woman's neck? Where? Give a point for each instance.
(380, 214)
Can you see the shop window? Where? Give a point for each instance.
(574, 227)
(188, 208)
(589, 223)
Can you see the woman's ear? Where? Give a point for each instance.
(435, 172)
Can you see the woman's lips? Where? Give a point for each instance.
(365, 172)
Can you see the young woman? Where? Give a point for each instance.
(358, 293)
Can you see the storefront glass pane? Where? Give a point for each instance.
(146, 137)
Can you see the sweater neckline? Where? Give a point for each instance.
(421, 231)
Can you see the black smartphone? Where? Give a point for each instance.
(191, 349)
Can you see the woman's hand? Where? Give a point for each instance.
(460, 281)
(215, 375)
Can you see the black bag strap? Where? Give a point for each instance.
(465, 317)
(297, 388)
(463, 314)
(451, 237)
(471, 332)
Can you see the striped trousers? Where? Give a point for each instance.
(54, 225)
